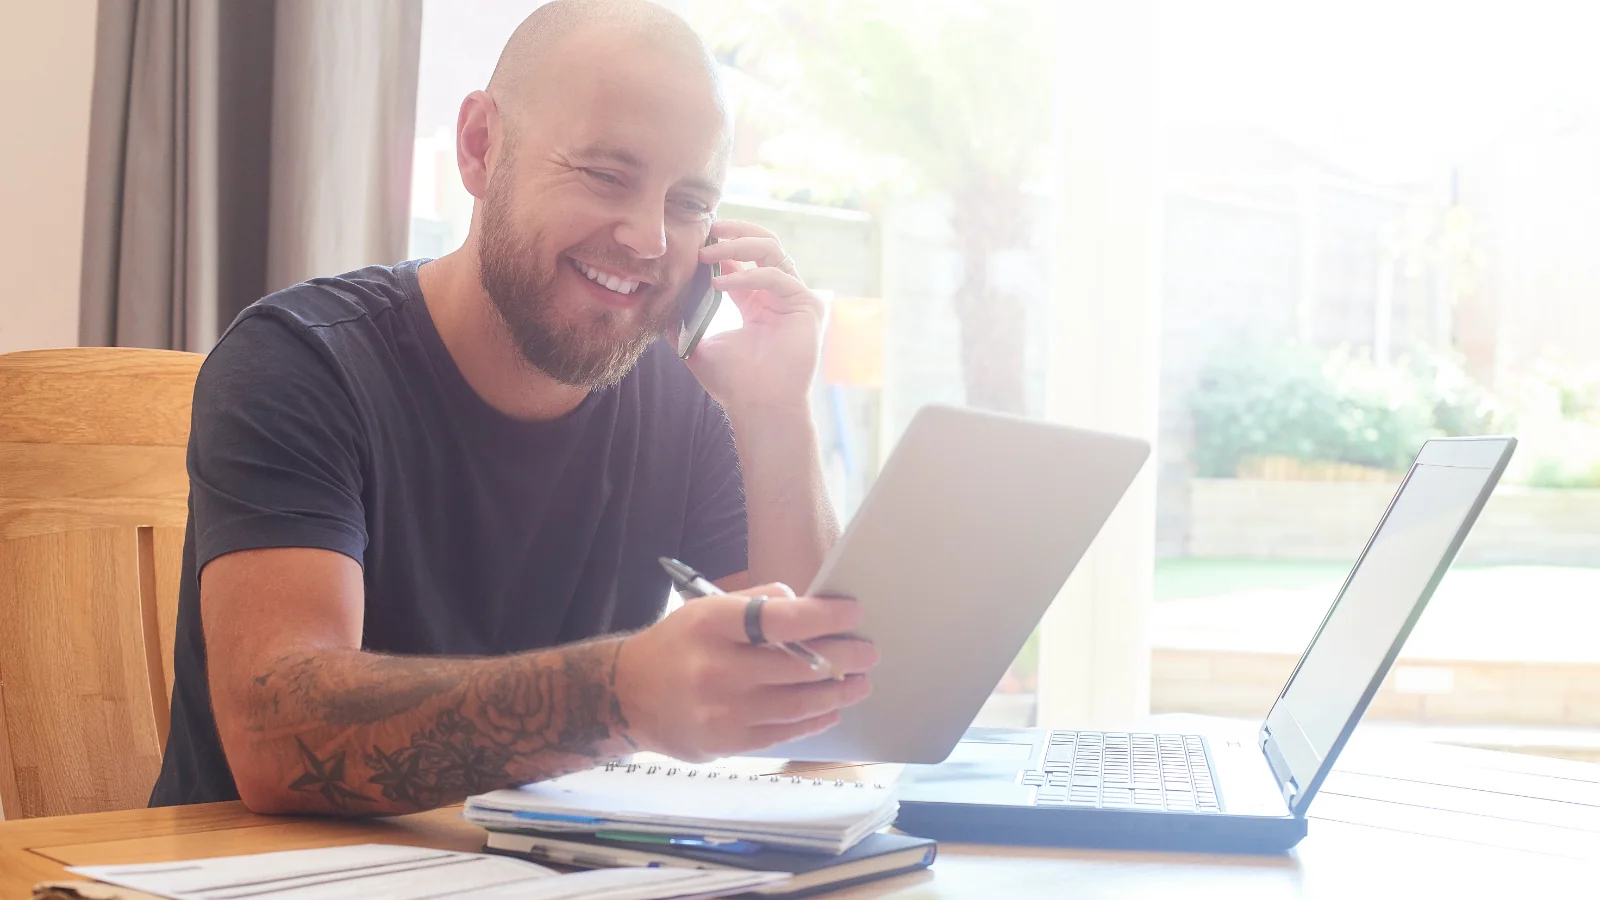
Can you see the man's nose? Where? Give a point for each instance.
(643, 229)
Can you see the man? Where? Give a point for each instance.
(405, 481)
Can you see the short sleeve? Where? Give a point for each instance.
(715, 535)
(275, 447)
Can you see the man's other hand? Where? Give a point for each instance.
(768, 362)
(694, 688)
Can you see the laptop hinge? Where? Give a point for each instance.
(1280, 768)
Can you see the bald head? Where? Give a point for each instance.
(597, 156)
(543, 44)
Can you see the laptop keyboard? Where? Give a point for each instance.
(1115, 770)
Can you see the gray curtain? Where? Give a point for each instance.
(238, 147)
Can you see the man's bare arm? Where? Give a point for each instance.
(761, 375)
(791, 520)
(312, 724)
(348, 732)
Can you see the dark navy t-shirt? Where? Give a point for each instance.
(331, 415)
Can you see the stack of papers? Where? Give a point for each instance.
(771, 810)
(411, 873)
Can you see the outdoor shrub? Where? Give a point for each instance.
(1265, 400)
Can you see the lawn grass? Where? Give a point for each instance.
(1181, 577)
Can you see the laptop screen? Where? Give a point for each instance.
(1384, 594)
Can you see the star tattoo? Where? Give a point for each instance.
(326, 777)
(399, 775)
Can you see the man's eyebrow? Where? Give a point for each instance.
(702, 185)
(624, 157)
(608, 153)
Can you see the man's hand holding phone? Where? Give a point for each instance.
(769, 362)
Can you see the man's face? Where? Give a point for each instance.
(597, 205)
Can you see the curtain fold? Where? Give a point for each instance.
(343, 119)
(237, 147)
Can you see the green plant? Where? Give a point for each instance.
(1552, 471)
(1261, 401)
(1558, 425)
(1385, 412)
(1294, 401)
(1461, 406)
(1567, 389)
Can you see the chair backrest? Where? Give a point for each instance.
(93, 500)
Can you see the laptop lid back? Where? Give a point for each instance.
(964, 540)
(1384, 595)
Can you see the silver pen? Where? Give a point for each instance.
(692, 584)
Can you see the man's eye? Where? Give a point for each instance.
(604, 177)
(694, 207)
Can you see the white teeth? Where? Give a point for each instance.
(611, 282)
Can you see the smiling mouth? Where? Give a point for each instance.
(612, 283)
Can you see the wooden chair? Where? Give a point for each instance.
(93, 499)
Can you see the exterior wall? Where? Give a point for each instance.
(1431, 692)
(1333, 519)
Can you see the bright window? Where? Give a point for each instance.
(1377, 218)
(1377, 225)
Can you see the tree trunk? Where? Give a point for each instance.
(993, 322)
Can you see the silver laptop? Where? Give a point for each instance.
(966, 536)
(1208, 792)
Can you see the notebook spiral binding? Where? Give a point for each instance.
(711, 775)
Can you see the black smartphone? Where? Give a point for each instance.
(697, 305)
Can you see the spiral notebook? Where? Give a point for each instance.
(691, 804)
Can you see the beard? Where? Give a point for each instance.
(594, 352)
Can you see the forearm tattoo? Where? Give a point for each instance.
(378, 734)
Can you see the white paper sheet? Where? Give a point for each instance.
(409, 873)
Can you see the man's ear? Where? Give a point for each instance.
(479, 141)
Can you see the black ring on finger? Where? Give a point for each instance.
(752, 620)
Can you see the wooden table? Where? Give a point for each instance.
(1396, 819)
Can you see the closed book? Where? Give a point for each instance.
(877, 856)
